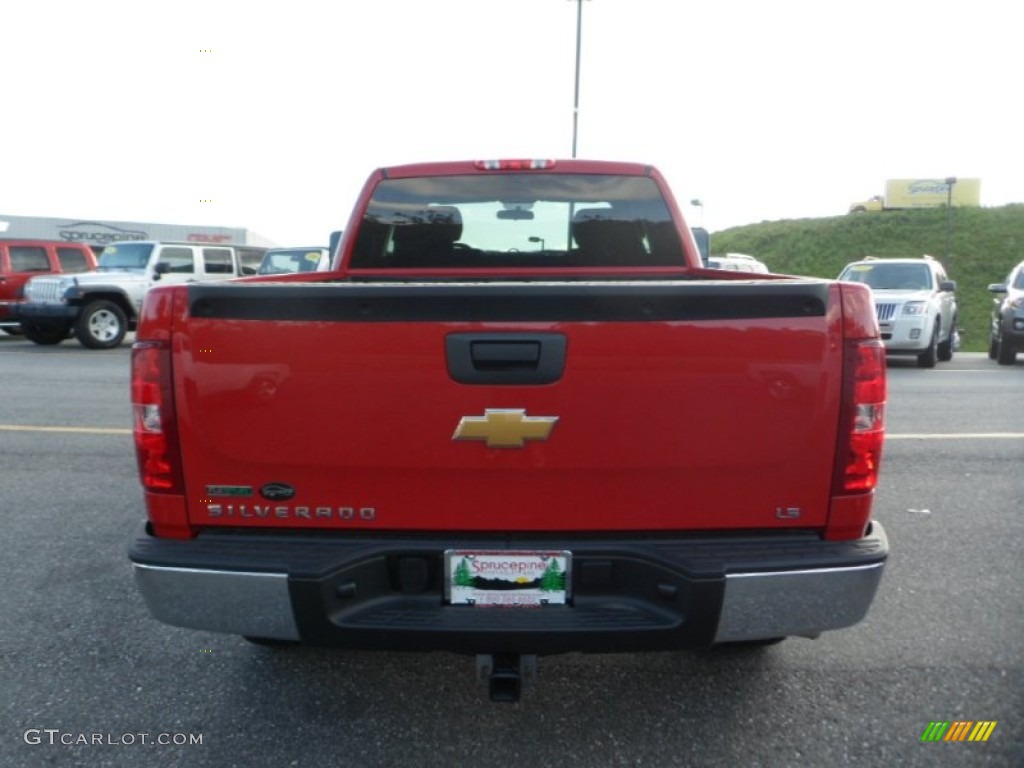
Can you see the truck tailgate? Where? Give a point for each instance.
(509, 407)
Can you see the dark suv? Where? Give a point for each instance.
(22, 259)
(1006, 336)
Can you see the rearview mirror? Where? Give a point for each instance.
(515, 214)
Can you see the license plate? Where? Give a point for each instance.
(507, 578)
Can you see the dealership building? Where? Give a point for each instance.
(97, 234)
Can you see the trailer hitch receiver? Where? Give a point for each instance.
(505, 674)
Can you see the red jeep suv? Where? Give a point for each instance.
(22, 259)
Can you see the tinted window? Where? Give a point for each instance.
(28, 258)
(178, 260)
(72, 260)
(520, 220)
(217, 261)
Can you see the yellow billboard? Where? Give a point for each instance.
(931, 193)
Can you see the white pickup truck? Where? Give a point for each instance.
(101, 306)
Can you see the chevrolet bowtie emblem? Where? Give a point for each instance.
(505, 428)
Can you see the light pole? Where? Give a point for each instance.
(950, 181)
(576, 96)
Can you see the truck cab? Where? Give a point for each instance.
(872, 204)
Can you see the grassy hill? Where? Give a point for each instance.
(986, 242)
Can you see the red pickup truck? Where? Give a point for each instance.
(517, 418)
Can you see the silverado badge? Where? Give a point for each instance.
(505, 427)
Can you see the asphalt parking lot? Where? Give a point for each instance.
(91, 679)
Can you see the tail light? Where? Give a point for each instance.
(154, 428)
(862, 418)
(861, 435)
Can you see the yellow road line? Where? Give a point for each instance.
(72, 430)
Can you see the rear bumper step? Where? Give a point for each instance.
(627, 595)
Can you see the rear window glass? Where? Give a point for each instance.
(28, 258)
(520, 220)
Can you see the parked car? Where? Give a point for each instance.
(23, 259)
(915, 303)
(283, 261)
(1006, 335)
(739, 262)
(102, 305)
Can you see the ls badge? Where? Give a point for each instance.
(505, 427)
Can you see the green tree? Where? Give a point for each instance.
(463, 576)
(987, 242)
(553, 579)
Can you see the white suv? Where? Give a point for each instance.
(102, 305)
(740, 262)
(915, 303)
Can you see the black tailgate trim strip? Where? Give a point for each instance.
(560, 302)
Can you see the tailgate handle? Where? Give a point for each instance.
(506, 358)
(505, 355)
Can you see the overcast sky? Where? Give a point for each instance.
(277, 112)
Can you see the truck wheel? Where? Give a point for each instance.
(47, 335)
(101, 325)
(928, 358)
(993, 348)
(1006, 355)
(945, 350)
